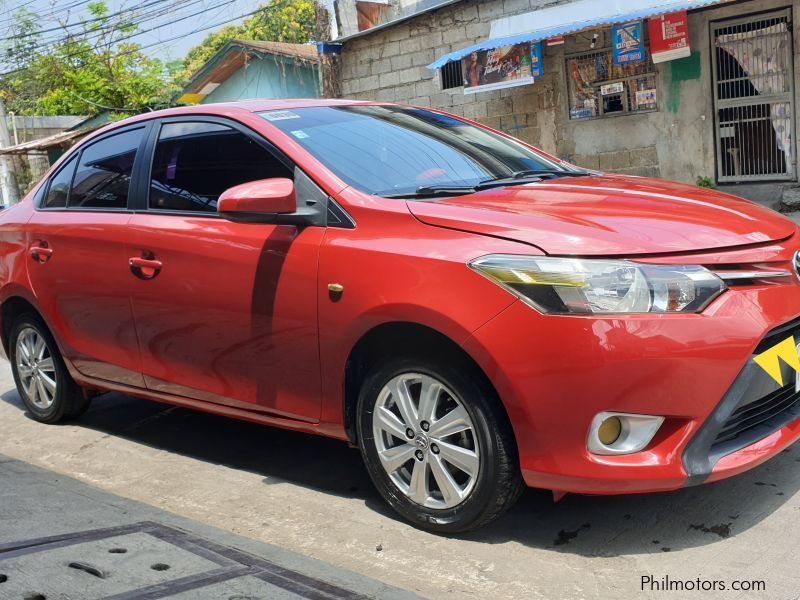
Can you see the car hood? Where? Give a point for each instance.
(609, 216)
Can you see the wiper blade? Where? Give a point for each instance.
(529, 176)
(517, 178)
(431, 191)
(552, 173)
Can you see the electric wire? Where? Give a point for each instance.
(84, 22)
(139, 48)
(96, 35)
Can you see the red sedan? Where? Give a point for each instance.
(472, 313)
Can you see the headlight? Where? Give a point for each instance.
(582, 286)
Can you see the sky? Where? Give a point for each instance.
(183, 24)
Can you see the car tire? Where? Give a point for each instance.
(481, 437)
(43, 381)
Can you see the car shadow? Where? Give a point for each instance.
(601, 526)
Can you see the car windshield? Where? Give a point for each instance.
(392, 151)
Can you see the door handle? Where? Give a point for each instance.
(145, 268)
(41, 254)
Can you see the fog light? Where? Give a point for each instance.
(621, 433)
(609, 431)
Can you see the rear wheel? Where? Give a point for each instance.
(43, 382)
(437, 445)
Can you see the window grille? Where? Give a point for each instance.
(599, 88)
(754, 97)
(452, 75)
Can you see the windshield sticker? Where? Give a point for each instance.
(280, 115)
(300, 134)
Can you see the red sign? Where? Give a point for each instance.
(669, 37)
(556, 41)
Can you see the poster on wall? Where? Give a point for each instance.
(508, 66)
(536, 60)
(627, 43)
(669, 37)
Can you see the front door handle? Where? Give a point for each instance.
(41, 253)
(145, 268)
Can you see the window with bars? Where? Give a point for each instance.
(599, 88)
(754, 97)
(452, 75)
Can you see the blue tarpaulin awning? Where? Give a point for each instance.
(570, 18)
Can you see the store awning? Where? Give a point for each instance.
(570, 18)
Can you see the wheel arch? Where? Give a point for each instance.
(11, 308)
(397, 337)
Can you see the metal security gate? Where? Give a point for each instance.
(754, 98)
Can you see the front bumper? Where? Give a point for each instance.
(555, 373)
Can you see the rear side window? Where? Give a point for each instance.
(58, 192)
(103, 177)
(195, 162)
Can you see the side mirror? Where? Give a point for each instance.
(261, 201)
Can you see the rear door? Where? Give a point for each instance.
(77, 261)
(225, 312)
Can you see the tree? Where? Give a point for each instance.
(85, 72)
(291, 21)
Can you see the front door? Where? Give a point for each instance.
(225, 312)
(754, 98)
(77, 258)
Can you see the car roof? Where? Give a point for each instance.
(252, 106)
(225, 109)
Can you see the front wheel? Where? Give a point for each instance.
(43, 382)
(437, 445)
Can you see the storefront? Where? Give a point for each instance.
(684, 90)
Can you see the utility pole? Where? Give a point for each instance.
(8, 177)
(329, 61)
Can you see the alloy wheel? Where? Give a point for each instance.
(426, 441)
(36, 368)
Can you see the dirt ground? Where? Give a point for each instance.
(312, 496)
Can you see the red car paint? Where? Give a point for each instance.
(182, 309)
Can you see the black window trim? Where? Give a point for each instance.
(146, 175)
(78, 154)
(139, 193)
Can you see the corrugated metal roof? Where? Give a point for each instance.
(425, 6)
(302, 51)
(45, 143)
(570, 18)
(233, 56)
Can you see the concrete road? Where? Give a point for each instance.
(312, 496)
(61, 539)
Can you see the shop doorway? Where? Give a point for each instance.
(754, 98)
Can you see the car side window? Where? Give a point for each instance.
(58, 191)
(195, 162)
(103, 177)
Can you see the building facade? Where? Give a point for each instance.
(725, 113)
(246, 69)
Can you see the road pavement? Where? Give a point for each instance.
(311, 496)
(61, 539)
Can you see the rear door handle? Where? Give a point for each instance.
(41, 254)
(145, 268)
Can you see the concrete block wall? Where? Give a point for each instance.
(390, 66)
(675, 142)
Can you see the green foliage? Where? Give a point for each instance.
(85, 72)
(706, 182)
(291, 21)
(197, 56)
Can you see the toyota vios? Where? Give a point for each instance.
(473, 314)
